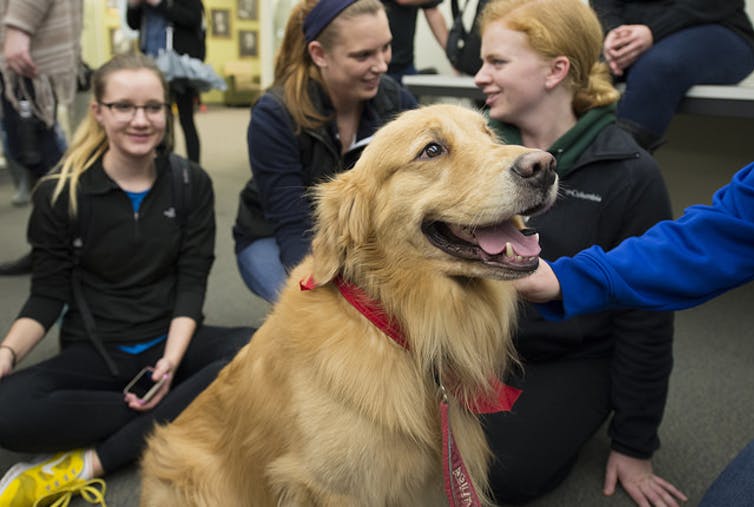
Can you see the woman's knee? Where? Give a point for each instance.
(261, 269)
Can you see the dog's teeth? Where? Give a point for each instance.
(536, 236)
(519, 258)
(509, 250)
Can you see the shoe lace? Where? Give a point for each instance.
(92, 491)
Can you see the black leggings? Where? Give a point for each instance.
(72, 400)
(184, 100)
(564, 402)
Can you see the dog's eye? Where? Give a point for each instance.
(432, 150)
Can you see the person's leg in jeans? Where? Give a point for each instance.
(734, 487)
(184, 100)
(261, 269)
(657, 82)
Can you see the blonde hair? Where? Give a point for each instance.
(567, 28)
(90, 140)
(294, 68)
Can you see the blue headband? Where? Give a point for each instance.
(322, 15)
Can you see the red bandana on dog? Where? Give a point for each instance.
(458, 487)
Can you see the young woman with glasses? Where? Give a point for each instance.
(107, 241)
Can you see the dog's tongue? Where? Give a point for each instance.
(493, 239)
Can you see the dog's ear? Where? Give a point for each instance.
(341, 225)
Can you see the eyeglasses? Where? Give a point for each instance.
(125, 111)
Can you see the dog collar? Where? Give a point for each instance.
(505, 396)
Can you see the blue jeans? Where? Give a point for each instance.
(657, 82)
(261, 269)
(734, 487)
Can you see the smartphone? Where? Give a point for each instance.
(143, 386)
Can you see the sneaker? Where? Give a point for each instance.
(92, 491)
(48, 482)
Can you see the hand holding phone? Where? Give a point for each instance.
(142, 386)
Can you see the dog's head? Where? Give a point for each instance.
(434, 190)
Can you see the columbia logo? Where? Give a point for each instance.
(170, 212)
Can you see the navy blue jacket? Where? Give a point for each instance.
(285, 165)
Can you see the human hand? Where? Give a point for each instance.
(541, 286)
(17, 54)
(163, 369)
(641, 484)
(624, 44)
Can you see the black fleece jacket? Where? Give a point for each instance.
(610, 189)
(138, 271)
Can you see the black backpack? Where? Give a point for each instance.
(181, 179)
(463, 47)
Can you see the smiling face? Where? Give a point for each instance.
(513, 76)
(139, 134)
(351, 68)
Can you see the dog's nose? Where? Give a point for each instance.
(539, 165)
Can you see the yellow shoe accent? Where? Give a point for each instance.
(93, 491)
(26, 483)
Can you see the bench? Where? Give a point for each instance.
(715, 100)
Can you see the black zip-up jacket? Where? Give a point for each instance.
(186, 16)
(138, 270)
(611, 191)
(285, 165)
(665, 17)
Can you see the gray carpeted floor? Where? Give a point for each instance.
(710, 412)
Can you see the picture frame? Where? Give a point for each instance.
(248, 43)
(220, 22)
(247, 9)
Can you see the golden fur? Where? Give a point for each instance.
(321, 407)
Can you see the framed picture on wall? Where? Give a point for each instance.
(248, 43)
(220, 22)
(247, 9)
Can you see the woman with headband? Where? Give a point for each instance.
(329, 95)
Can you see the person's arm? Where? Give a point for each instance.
(676, 264)
(437, 24)
(21, 21)
(609, 12)
(48, 234)
(279, 173)
(23, 336)
(17, 54)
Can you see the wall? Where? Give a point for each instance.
(106, 33)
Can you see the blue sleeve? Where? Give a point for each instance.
(279, 174)
(674, 265)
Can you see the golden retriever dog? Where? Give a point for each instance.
(336, 400)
